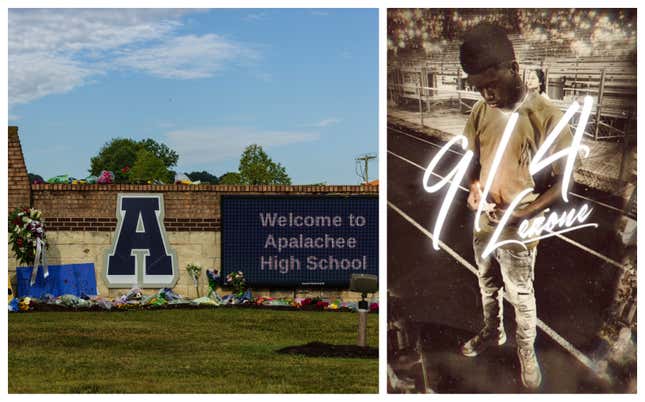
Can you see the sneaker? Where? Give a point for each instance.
(482, 341)
(531, 374)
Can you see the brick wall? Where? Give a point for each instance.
(81, 220)
(92, 207)
(17, 179)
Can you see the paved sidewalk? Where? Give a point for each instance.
(600, 170)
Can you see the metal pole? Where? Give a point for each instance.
(601, 90)
(459, 87)
(365, 159)
(362, 327)
(367, 175)
(424, 370)
(420, 104)
(621, 172)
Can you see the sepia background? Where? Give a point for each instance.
(585, 281)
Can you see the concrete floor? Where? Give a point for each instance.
(575, 282)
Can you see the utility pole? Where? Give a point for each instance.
(362, 163)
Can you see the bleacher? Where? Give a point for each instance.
(427, 80)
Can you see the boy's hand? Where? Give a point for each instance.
(473, 198)
(516, 216)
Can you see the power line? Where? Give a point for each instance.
(362, 164)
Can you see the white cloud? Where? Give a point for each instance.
(37, 74)
(54, 51)
(216, 144)
(184, 57)
(325, 122)
(75, 30)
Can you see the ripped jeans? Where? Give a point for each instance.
(512, 272)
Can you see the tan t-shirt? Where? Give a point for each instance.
(484, 129)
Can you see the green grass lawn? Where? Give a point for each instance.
(229, 350)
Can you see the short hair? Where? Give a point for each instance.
(484, 46)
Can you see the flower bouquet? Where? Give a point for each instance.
(28, 239)
(195, 271)
(213, 278)
(237, 282)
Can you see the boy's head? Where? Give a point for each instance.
(487, 56)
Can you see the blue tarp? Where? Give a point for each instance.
(72, 279)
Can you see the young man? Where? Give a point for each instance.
(487, 56)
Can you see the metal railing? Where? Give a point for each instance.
(604, 125)
(599, 127)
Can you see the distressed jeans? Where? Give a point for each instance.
(511, 272)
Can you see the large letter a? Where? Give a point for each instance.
(140, 255)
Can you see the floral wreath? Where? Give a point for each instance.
(27, 238)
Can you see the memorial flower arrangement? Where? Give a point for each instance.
(237, 282)
(195, 271)
(213, 279)
(27, 235)
(165, 298)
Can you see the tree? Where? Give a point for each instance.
(230, 178)
(148, 167)
(203, 176)
(115, 156)
(120, 154)
(257, 168)
(167, 155)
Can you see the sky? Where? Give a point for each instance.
(303, 84)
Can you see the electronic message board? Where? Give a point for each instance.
(291, 241)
